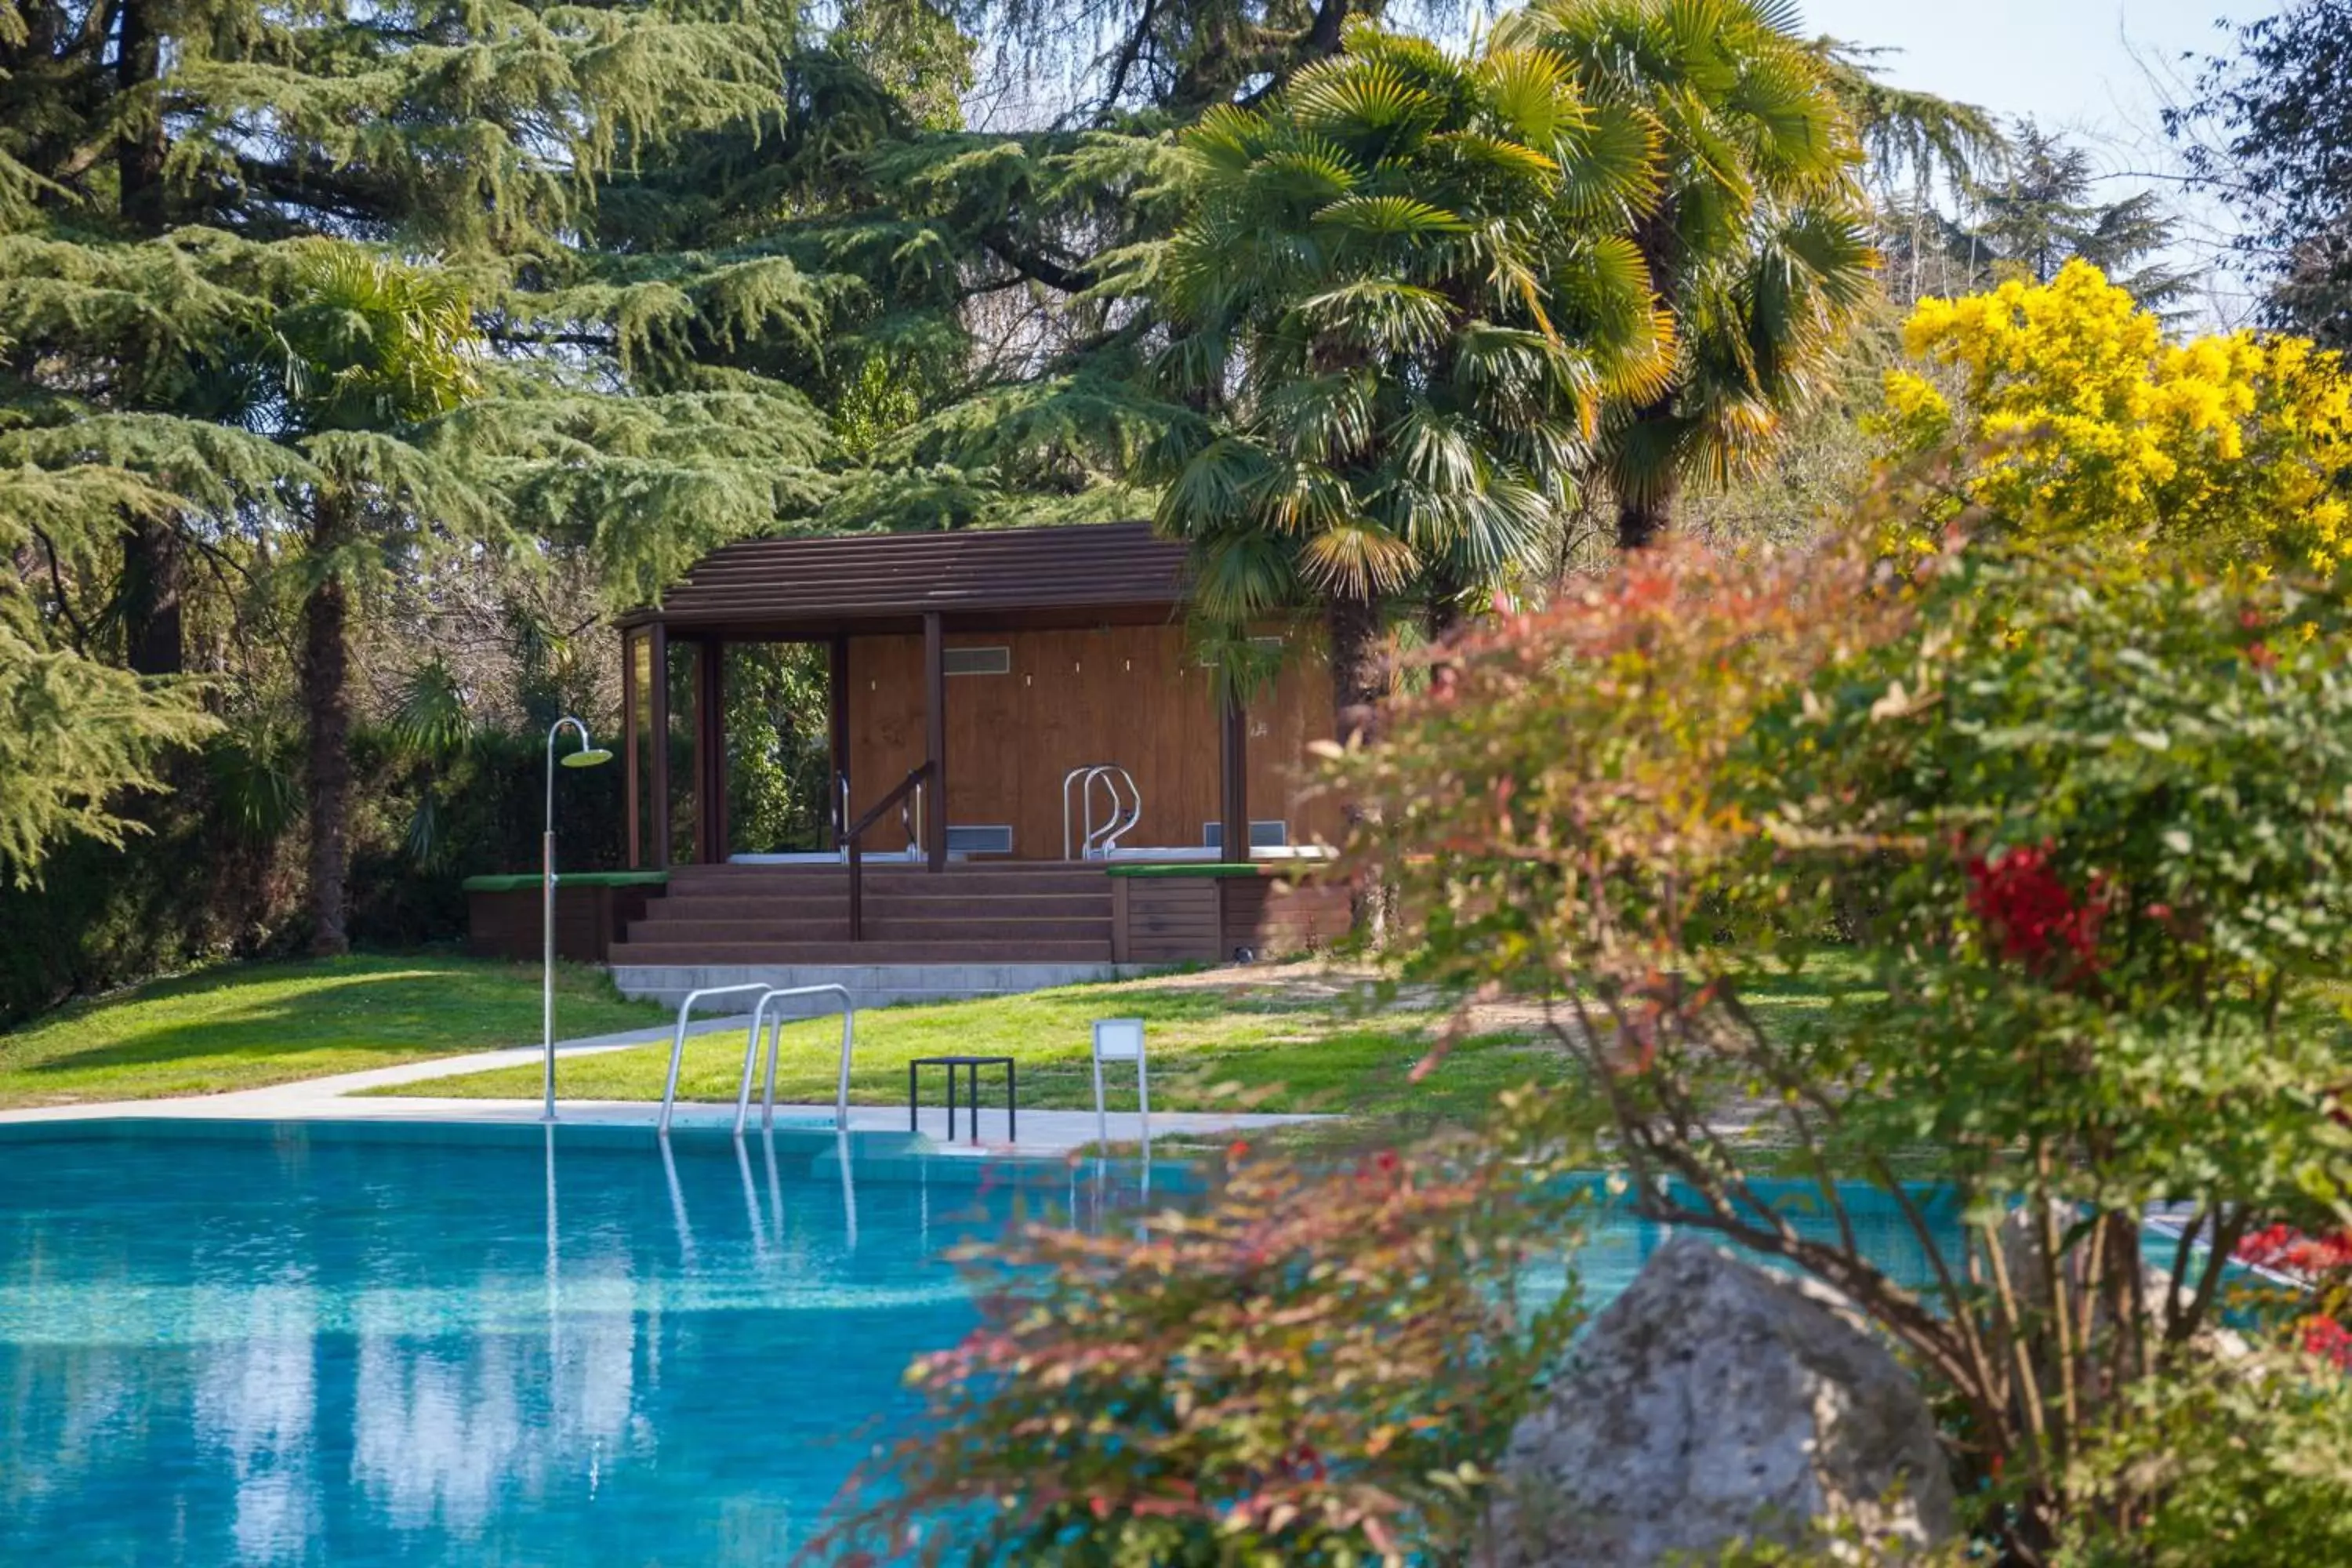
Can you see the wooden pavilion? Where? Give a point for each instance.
(974, 678)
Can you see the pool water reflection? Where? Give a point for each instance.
(382, 1345)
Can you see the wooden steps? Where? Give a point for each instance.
(798, 916)
(708, 955)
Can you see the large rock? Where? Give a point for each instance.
(1712, 1402)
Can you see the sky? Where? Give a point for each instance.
(2071, 63)
(2099, 70)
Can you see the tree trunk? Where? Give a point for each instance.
(1642, 523)
(138, 156)
(148, 597)
(1442, 613)
(1352, 625)
(150, 591)
(326, 706)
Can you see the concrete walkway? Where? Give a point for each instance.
(342, 1097)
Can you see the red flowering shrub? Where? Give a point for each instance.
(2290, 1251)
(2031, 915)
(2321, 1269)
(1307, 1366)
(2092, 863)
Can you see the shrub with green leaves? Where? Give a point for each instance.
(1309, 1365)
(2079, 829)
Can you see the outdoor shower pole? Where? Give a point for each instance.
(587, 756)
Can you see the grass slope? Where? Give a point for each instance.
(244, 1026)
(1265, 1043)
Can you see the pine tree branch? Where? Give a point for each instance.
(57, 584)
(1069, 277)
(1280, 57)
(1130, 50)
(322, 190)
(515, 337)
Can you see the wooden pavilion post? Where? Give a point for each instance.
(1233, 778)
(657, 678)
(629, 742)
(837, 726)
(935, 737)
(710, 751)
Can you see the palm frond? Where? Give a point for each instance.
(1531, 94)
(1242, 575)
(1380, 314)
(1393, 216)
(1359, 559)
(1369, 108)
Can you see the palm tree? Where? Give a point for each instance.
(371, 350)
(1405, 292)
(1755, 239)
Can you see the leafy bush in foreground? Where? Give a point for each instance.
(1308, 1366)
(2085, 825)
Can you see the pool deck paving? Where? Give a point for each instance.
(1045, 1134)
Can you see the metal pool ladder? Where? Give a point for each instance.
(1125, 812)
(768, 995)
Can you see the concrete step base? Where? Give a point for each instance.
(869, 985)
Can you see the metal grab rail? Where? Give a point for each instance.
(1087, 769)
(1124, 816)
(677, 1041)
(910, 822)
(775, 1050)
(914, 780)
(768, 994)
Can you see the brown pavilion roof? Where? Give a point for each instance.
(881, 582)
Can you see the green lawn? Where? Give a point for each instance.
(243, 1026)
(1260, 1040)
(1255, 1045)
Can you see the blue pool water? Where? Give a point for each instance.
(371, 1345)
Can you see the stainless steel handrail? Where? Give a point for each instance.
(1102, 774)
(1086, 768)
(677, 1041)
(910, 820)
(1123, 816)
(776, 1048)
(1131, 809)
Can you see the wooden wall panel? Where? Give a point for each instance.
(1119, 694)
(588, 922)
(1275, 919)
(1173, 919)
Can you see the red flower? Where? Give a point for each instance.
(2289, 1251)
(2033, 917)
(2328, 1340)
(2259, 656)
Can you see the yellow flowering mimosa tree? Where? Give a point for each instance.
(2233, 448)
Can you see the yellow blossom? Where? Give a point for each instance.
(2236, 448)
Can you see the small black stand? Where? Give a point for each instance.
(971, 1066)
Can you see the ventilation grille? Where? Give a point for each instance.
(1272, 647)
(987, 839)
(1263, 834)
(977, 660)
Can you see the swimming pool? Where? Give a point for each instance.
(369, 1345)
